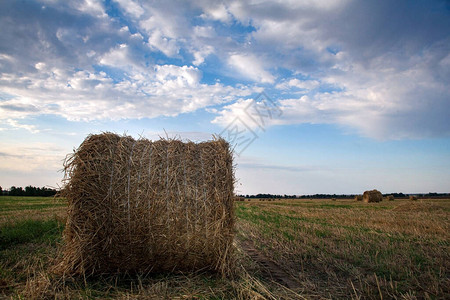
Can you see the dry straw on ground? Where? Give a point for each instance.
(143, 206)
(372, 196)
(358, 198)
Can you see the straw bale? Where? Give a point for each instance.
(148, 206)
(358, 198)
(372, 196)
(390, 198)
(413, 198)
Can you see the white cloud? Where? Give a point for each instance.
(131, 7)
(216, 11)
(163, 21)
(181, 76)
(118, 57)
(16, 125)
(204, 31)
(200, 55)
(250, 67)
(145, 92)
(232, 111)
(299, 84)
(93, 7)
(40, 66)
(162, 43)
(256, 114)
(364, 58)
(381, 83)
(32, 156)
(380, 102)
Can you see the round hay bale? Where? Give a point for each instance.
(358, 198)
(372, 196)
(390, 198)
(413, 198)
(148, 206)
(333, 199)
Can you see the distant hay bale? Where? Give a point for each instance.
(390, 198)
(333, 199)
(413, 198)
(358, 198)
(372, 196)
(148, 206)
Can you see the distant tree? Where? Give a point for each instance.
(13, 191)
(16, 191)
(30, 191)
(47, 192)
(1, 191)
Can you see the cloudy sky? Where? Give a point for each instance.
(333, 96)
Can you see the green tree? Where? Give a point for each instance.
(30, 191)
(16, 191)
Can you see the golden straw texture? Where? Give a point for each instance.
(143, 206)
(372, 196)
(358, 198)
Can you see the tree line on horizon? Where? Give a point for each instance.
(47, 192)
(28, 191)
(323, 196)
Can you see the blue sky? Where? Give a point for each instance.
(333, 96)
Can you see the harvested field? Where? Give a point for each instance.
(287, 249)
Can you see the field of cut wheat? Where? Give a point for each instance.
(285, 249)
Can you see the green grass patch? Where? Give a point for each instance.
(326, 205)
(27, 231)
(10, 204)
(39, 206)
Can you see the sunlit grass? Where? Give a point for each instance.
(370, 246)
(332, 249)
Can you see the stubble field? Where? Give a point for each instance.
(291, 249)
